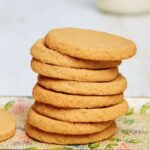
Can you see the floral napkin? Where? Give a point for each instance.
(133, 133)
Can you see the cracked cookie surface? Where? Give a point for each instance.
(72, 73)
(83, 115)
(52, 125)
(90, 44)
(69, 139)
(116, 86)
(57, 99)
(49, 56)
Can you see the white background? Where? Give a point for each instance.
(22, 22)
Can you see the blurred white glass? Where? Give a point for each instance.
(124, 6)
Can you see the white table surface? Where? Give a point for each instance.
(22, 22)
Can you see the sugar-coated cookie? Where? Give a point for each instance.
(116, 86)
(62, 127)
(49, 56)
(43, 95)
(73, 74)
(89, 44)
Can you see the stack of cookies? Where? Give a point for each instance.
(79, 92)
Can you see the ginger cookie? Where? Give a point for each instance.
(7, 125)
(89, 44)
(83, 115)
(62, 127)
(43, 95)
(70, 139)
(116, 86)
(49, 56)
(73, 74)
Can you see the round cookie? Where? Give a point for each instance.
(62, 127)
(43, 95)
(89, 44)
(73, 74)
(83, 115)
(115, 86)
(49, 56)
(69, 139)
(7, 125)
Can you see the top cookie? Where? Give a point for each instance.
(89, 44)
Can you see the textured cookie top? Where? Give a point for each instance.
(116, 86)
(53, 125)
(49, 56)
(89, 44)
(83, 115)
(69, 139)
(57, 99)
(7, 125)
(73, 74)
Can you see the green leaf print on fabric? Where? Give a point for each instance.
(110, 146)
(125, 132)
(135, 141)
(144, 108)
(61, 148)
(9, 105)
(93, 146)
(32, 148)
(128, 121)
(130, 111)
(115, 140)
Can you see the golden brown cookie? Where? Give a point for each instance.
(115, 86)
(43, 95)
(73, 74)
(89, 44)
(62, 127)
(69, 139)
(83, 115)
(49, 56)
(7, 125)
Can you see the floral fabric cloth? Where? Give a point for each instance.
(133, 132)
